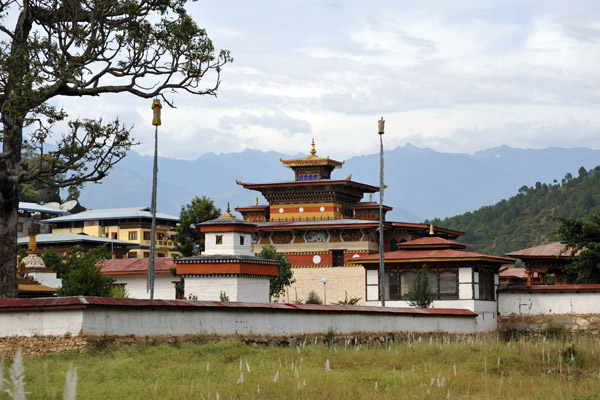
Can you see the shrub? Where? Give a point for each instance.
(419, 294)
(313, 298)
(553, 330)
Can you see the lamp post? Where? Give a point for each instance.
(380, 131)
(324, 281)
(156, 106)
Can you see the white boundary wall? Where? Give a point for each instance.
(548, 302)
(135, 284)
(123, 317)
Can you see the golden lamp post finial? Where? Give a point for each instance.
(156, 106)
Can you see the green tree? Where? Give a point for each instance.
(190, 239)
(583, 236)
(420, 294)
(82, 48)
(80, 273)
(285, 277)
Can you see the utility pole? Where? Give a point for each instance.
(156, 106)
(381, 124)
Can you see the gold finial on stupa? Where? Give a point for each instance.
(431, 230)
(256, 201)
(313, 152)
(227, 214)
(371, 197)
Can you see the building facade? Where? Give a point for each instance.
(321, 224)
(126, 224)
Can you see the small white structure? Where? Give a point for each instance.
(227, 268)
(131, 273)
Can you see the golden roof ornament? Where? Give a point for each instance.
(256, 201)
(371, 197)
(313, 151)
(431, 229)
(228, 213)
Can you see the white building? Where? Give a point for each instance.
(227, 269)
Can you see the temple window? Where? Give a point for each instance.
(301, 177)
(310, 177)
(393, 245)
(449, 284)
(337, 258)
(315, 177)
(241, 240)
(219, 239)
(392, 285)
(486, 285)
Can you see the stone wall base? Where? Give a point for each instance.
(537, 325)
(36, 346)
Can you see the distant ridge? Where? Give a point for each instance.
(423, 183)
(526, 219)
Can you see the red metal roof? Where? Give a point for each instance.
(551, 288)
(514, 272)
(127, 266)
(426, 226)
(85, 302)
(432, 242)
(420, 256)
(550, 250)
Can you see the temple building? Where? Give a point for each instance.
(457, 278)
(321, 223)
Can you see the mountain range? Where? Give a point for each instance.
(422, 183)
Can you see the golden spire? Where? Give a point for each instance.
(256, 201)
(313, 152)
(431, 230)
(228, 213)
(371, 197)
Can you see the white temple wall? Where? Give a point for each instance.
(230, 244)
(135, 284)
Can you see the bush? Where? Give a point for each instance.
(553, 330)
(419, 295)
(313, 298)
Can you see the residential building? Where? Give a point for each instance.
(62, 242)
(29, 212)
(126, 224)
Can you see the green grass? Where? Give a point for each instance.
(485, 369)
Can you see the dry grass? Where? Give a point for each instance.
(436, 368)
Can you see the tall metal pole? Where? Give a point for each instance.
(156, 106)
(381, 124)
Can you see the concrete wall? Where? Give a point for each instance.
(121, 317)
(135, 284)
(551, 300)
(342, 280)
(236, 288)
(230, 243)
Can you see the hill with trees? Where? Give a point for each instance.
(527, 219)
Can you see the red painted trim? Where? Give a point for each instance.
(228, 228)
(227, 268)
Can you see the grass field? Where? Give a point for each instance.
(436, 367)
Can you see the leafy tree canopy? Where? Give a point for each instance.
(583, 236)
(285, 277)
(82, 48)
(80, 273)
(190, 239)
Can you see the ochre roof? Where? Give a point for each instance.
(131, 266)
(550, 250)
(312, 160)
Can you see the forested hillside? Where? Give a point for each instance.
(525, 220)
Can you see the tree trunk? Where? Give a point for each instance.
(9, 207)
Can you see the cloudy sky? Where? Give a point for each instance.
(456, 76)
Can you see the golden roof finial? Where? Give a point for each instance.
(256, 201)
(431, 229)
(228, 213)
(371, 197)
(313, 152)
